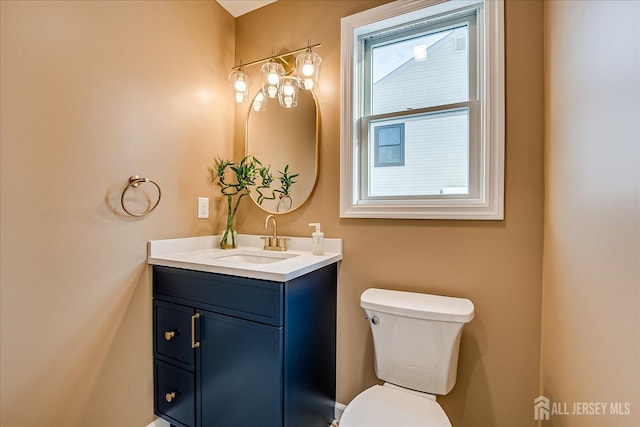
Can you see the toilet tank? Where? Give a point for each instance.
(416, 337)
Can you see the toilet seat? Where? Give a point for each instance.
(389, 406)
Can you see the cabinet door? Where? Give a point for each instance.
(239, 365)
(174, 394)
(172, 333)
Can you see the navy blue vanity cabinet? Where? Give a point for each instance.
(236, 352)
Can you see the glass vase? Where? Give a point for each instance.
(229, 238)
(284, 204)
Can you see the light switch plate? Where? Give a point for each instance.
(203, 207)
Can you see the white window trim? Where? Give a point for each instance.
(490, 203)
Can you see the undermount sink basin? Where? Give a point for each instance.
(249, 256)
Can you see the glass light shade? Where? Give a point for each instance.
(308, 66)
(240, 83)
(288, 92)
(259, 102)
(271, 73)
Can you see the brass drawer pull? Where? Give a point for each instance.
(170, 396)
(194, 343)
(169, 334)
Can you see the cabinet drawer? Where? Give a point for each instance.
(252, 299)
(175, 394)
(172, 333)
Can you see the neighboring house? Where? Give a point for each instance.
(423, 154)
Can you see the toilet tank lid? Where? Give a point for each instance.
(418, 305)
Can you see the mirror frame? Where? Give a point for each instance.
(317, 153)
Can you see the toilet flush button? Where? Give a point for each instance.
(375, 320)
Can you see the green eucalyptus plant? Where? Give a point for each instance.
(236, 181)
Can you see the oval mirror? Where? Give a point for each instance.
(286, 140)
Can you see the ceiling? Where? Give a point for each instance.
(240, 7)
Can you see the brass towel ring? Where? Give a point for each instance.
(135, 181)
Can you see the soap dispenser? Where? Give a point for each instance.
(318, 239)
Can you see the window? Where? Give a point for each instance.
(423, 111)
(389, 145)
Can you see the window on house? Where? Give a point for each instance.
(389, 145)
(423, 111)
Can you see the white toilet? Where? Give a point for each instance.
(416, 338)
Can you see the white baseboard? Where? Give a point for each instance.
(159, 422)
(339, 409)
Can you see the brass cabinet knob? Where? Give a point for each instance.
(169, 334)
(170, 396)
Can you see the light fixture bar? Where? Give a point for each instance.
(269, 58)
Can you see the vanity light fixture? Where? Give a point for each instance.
(240, 83)
(271, 73)
(259, 102)
(277, 77)
(288, 92)
(308, 66)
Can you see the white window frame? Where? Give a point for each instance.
(488, 204)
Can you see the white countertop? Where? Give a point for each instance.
(204, 254)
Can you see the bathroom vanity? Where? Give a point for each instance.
(246, 340)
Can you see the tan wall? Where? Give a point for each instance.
(92, 93)
(497, 264)
(591, 338)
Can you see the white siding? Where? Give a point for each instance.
(436, 146)
(436, 157)
(440, 79)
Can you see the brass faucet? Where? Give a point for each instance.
(273, 243)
